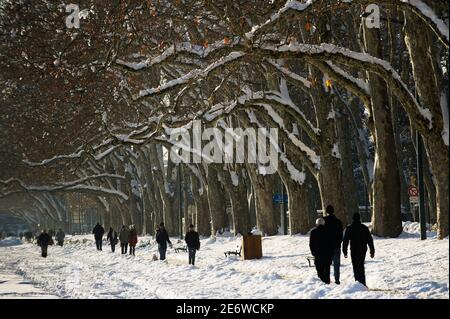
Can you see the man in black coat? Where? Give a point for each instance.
(162, 238)
(335, 231)
(98, 232)
(193, 243)
(321, 249)
(112, 237)
(44, 240)
(359, 237)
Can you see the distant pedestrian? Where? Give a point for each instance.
(98, 232)
(112, 237)
(28, 236)
(43, 240)
(162, 238)
(133, 239)
(359, 237)
(60, 235)
(124, 237)
(193, 243)
(335, 231)
(321, 249)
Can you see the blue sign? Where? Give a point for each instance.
(278, 199)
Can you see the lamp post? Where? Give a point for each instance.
(422, 218)
(180, 219)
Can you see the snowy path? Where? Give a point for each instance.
(403, 268)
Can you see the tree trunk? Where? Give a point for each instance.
(239, 202)
(428, 87)
(265, 211)
(386, 215)
(202, 218)
(345, 147)
(330, 174)
(216, 200)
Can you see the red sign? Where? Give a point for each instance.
(413, 191)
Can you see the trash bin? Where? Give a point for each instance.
(252, 247)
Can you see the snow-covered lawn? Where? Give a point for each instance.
(402, 268)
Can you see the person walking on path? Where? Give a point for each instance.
(162, 238)
(60, 235)
(359, 237)
(98, 232)
(335, 231)
(43, 240)
(193, 243)
(112, 237)
(321, 249)
(133, 239)
(124, 236)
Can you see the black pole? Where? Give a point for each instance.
(283, 215)
(283, 209)
(179, 202)
(422, 217)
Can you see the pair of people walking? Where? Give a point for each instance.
(45, 239)
(127, 236)
(325, 244)
(191, 238)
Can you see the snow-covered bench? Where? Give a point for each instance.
(236, 252)
(180, 248)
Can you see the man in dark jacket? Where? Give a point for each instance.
(124, 237)
(112, 237)
(44, 240)
(321, 249)
(98, 232)
(193, 243)
(359, 237)
(162, 238)
(60, 235)
(335, 231)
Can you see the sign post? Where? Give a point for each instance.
(282, 199)
(423, 226)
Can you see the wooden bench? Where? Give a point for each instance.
(236, 252)
(310, 259)
(182, 248)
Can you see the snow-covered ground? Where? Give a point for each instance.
(13, 286)
(405, 267)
